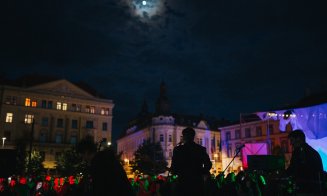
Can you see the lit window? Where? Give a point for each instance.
(29, 118)
(92, 109)
(27, 102)
(58, 105)
(64, 106)
(102, 111)
(78, 108)
(34, 104)
(106, 112)
(9, 117)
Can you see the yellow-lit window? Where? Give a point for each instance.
(64, 106)
(9, 117)
(27, 102)
(107, 112)
(29, 118)
(92, 109)
(34, 103)
(58, 105)
(102, 111)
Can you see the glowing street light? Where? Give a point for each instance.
(143, 2)
(109, 143)
(3, 142)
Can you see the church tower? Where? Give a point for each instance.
(162, 104)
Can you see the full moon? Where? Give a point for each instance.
(146, 9)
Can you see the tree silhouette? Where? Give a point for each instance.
(149, 159)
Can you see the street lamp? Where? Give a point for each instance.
(109, 143)
(3, 142)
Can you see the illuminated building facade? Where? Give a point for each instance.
(166, 128)
(57, 113)
(250, 130)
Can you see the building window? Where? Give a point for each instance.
(64, 106)
(60, 123)
(200, 142)
(92, 109)
(45, 121)
(247, 132)
(170, 138)
(27, 102)
(34, 104)
(104, 126)
(9, 117)
(58, 105)
(10, 100)
(50, 105)
(229, 150)
(89, 124)
(237, 134)
(161, 137)
(74, 124)
(28, 118)
(87, 109)
(43, 138)
(106, 112)
(228, 136)
(73, 139)
(102, 111)
(44, 104)
(258, 131)
(78, 108)
(58, 138)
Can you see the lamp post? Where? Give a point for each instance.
(3, 142)
(30, 150)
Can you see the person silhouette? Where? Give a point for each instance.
(191, 164)
(305, 166)
(107, 174)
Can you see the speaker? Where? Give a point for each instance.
(266, 162)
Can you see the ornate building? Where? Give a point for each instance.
(52, 116)
(166, 127)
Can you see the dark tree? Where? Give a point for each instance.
(149, 159)
(70, 163)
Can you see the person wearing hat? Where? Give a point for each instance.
(191, 163)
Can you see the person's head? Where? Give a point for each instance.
(86, 148)
(297, 138)
(188, 134)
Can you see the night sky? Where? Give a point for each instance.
(217, 57)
